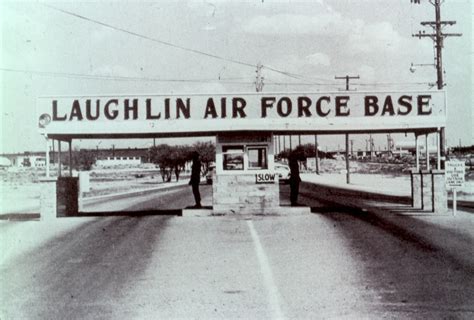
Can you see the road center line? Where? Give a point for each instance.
(273, 294)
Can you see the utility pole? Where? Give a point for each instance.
(348, 179)
(259, 78)
(438, 38)
(347, 78)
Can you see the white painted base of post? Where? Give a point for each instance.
(416, 189)
(455, 201)
(440, 193)
(48, 200)
(428, 191)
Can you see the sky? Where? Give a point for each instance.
(161, 47)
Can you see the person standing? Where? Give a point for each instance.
(196, 178)
(294, 179)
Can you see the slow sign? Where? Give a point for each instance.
(455, 171)
(265, 178)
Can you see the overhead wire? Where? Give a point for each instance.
(147, 37)
(118, 78)
(170, 44)
(225, 80)
(308, 80)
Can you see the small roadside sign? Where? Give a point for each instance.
(454, 173)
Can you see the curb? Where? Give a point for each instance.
(131, 193)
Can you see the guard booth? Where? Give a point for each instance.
(245, 181)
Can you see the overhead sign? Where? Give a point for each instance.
(454, 173)
(162, 114)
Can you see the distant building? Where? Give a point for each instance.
(118, 161)
(121, 157)
(30, 161)
(103, 157)
(5, 162)
(404, 148)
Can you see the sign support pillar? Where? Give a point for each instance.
(348, 175)
(70, 158)
(47, 156)
(438, 150)
(455, 193)
(59, 158)
(427, 153)
(316, 155)
(417, 158)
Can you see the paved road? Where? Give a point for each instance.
(331, 264)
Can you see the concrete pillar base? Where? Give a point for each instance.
(428, 190)
(416, 189)
(48, 203)
(440, 194)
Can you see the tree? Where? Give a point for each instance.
(207, 154)
(304, 151)
(170, 159)
(84, 159)
(179, 156)
(161, 155)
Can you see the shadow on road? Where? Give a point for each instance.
(129, 213)
(82, 273)
(418, 265)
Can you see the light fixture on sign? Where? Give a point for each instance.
(44, 120)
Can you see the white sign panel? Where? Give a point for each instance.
(184, 114)
(454, 173)
(265, 178)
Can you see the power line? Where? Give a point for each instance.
(118, 78)
(167, 43)
(381, 84)
(392, 84)
(299, 84)
(222, 80)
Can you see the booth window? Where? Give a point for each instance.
(233, 157)
(257, 158)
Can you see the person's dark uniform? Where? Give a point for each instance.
(196, 179)
(294, 180)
